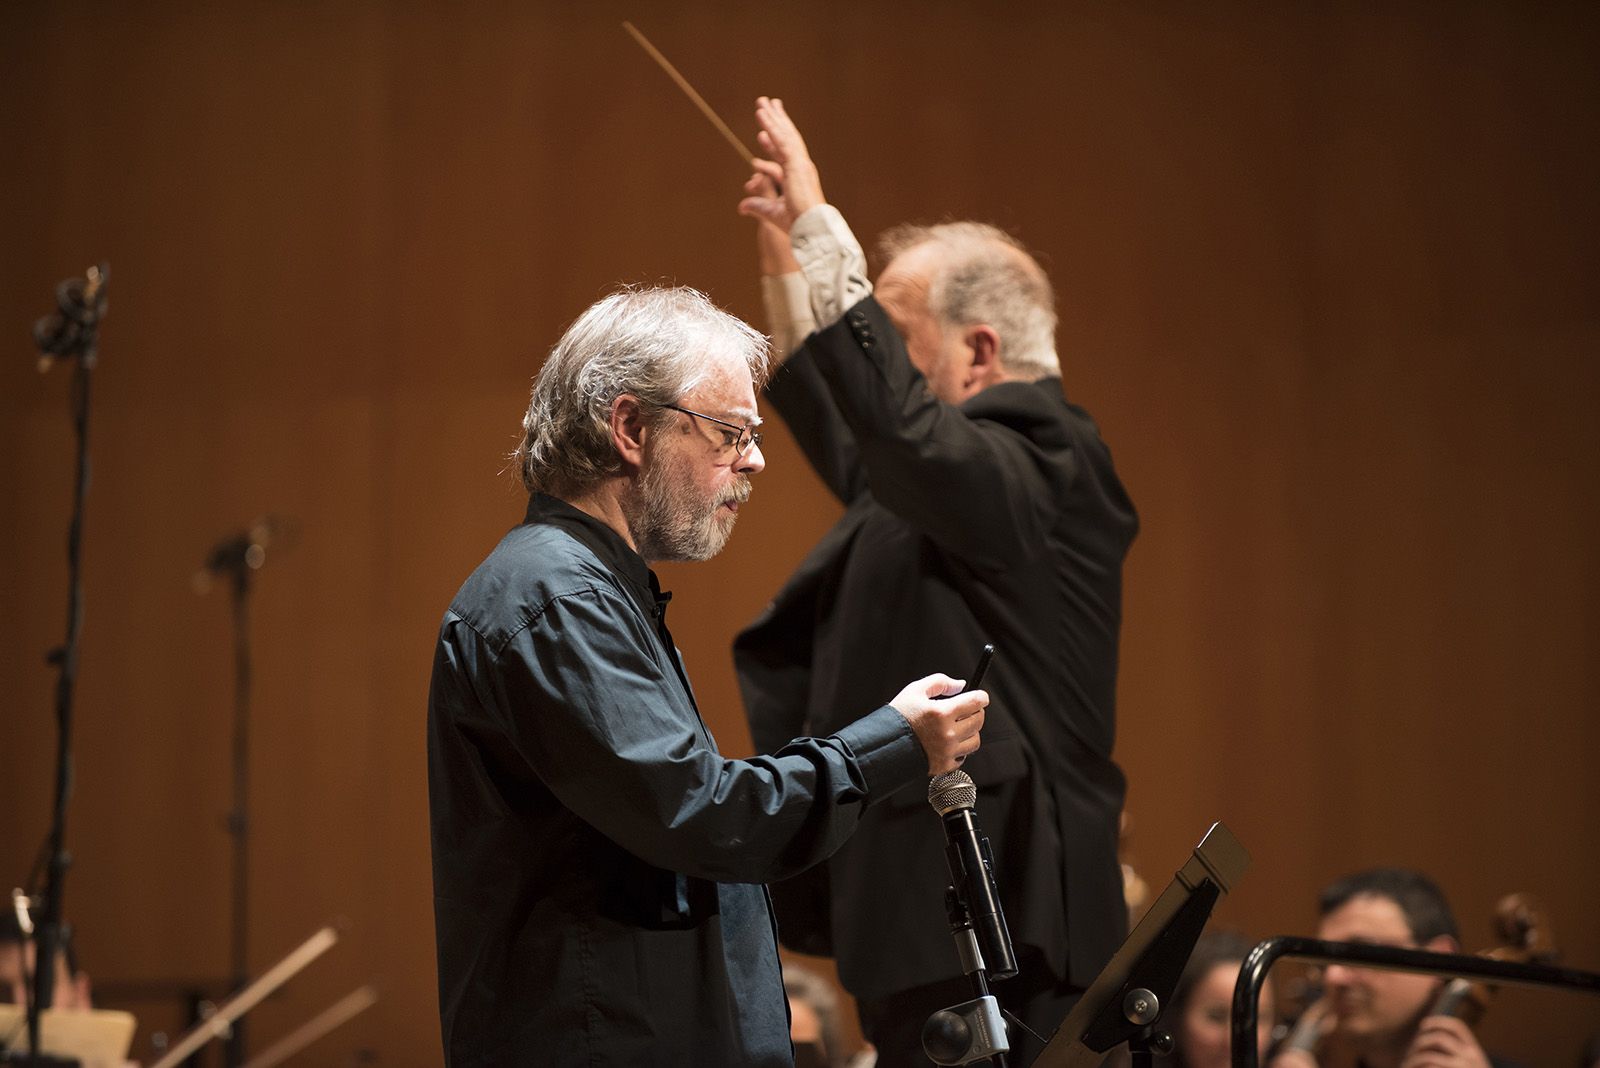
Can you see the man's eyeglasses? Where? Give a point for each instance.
(739, 438)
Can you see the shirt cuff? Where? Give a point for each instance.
(832, 261)
(788, 302)
(886, 751)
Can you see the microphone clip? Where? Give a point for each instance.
(72, 330)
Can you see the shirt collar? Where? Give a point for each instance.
(604, 542)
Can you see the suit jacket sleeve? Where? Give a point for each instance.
(980, 488)
(800, 393)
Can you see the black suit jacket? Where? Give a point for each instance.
(1001, 520)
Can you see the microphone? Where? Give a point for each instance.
(70, 331)
(245, 551)
(954, 797)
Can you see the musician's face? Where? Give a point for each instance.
(1204, 1033)
(70, 992)
(1373, 1006)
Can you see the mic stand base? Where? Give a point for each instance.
(973, 1031)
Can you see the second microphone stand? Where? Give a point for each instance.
(239, 574)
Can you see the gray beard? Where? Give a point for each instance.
(670, 523)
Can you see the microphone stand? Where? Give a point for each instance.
(239, 570)
(73, 333)
(236, 558)
(973, 1030)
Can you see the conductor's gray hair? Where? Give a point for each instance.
(655, 343)
(984, 275)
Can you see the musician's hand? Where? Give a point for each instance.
(793, 186)
(1444, 1042)
(945, 720)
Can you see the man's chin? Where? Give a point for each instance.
(1361, 1027)
(718, 536)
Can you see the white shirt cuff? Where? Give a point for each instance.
(835, 268)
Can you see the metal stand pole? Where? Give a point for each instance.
(70, 333)
(239, 817)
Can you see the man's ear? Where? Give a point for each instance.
(628, 429)
(983, 341)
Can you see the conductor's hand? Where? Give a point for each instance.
(792, 186)
(945, 720)
(773, 251)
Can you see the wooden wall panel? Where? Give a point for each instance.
(1327, 279)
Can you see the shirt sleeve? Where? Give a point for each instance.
(612, 733)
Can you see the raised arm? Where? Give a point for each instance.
(799, 393)
(786, 192)
(964, 475)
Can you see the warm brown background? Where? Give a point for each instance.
(1329, 281)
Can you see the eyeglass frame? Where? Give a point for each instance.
(747, 430)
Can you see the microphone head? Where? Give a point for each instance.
(952, 791)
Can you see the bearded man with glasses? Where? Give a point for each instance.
(597, 862)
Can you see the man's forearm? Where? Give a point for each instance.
(789, 318)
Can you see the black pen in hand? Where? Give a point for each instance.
(976, 678)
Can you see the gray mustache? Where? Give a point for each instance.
(739, 494)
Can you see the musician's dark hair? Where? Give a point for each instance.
(1418, 897)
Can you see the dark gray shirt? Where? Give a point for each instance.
(597, 863)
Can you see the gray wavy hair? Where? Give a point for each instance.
(987, 276)
(655, 343)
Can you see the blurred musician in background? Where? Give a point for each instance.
(16, 968)
(814, 1024)
(1378, 1018)
(1200, 1014)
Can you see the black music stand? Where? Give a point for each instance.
(1127, 999)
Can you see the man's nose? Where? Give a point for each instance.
(752, 462)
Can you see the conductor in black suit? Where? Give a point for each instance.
(980, 506)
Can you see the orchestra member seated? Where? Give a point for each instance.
(1380, 1018)
(1200, 1014)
